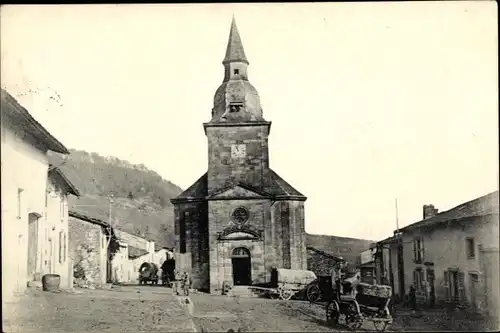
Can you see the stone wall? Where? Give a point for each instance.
(87, 249)
(223, 168)
(191, 230)
(219, 216)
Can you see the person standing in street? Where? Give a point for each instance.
(185, 283)
(177, 281)
(413, 299)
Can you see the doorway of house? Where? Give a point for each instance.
(32, 244)
(453, 283)
(430, 280)
(241, 261)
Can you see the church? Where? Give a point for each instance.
(240, 219)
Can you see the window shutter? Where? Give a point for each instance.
(415, 279)
(461, 288)
(60, 247)
(415, 250)
(422, 250)
(65, 248)
(446, 286)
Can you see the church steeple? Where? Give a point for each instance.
(234, 50)
(236, 100)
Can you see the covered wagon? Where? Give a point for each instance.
(148, 272)
(285, 283)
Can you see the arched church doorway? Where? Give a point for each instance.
(242, 267)
(32, 244)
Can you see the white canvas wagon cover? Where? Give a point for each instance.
(376, 290)
(295, 276)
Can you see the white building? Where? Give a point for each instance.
(52, 249)
(24, 170)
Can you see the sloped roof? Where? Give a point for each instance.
(12, 109)
(234, 51)
(274, 186)
(58, 174)
(135, 252)
(485, 205)
(86, 218)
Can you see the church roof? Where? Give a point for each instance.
(274, 186)
(234, 50)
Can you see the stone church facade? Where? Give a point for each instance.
(240, 219)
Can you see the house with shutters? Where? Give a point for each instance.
(51, 232)
(25, 145)
(450, 257)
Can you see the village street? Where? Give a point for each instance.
(155, 309)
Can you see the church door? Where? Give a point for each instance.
(242, 274)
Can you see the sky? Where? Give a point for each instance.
(369, 102)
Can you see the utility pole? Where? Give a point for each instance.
(397, 217)
(110, 202)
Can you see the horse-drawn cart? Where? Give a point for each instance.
(286, 283)
(371, 303)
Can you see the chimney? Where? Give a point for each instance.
(429, 211)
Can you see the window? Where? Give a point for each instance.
(470, 247)
(236, 72)
(235, 106)
(19, 202)
(418, 250)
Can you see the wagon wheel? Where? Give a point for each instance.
(332, 314)
(380, 325)
(273, 295)
(285, 293)
(313, 293)
(353, 318)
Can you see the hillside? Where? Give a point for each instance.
(141, 198)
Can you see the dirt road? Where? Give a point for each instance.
(156, 309)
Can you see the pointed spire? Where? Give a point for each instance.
(234, 51)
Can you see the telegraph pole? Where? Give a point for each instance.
(110, 202)
(397, 217)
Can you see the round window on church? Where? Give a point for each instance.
(240, 215)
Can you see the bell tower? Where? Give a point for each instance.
(237, 133)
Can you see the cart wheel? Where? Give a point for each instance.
(273, 295)
(313, 293)
(353, 319)
(380, 326)
(285, 294)
(332, 314)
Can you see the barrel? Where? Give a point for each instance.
(51, 282)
